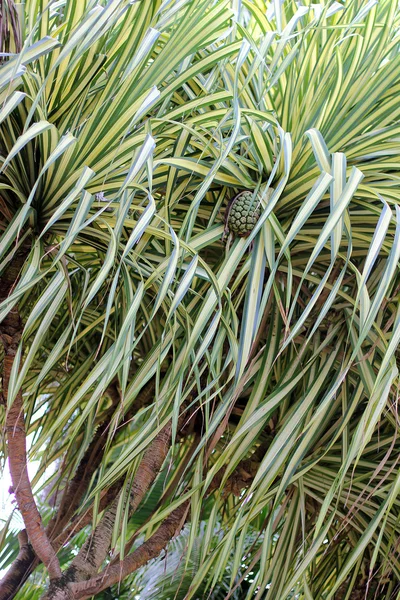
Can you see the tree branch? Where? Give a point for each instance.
(10, 335)
(81, 521)
(14, 577)
(241, 478)
(59, 529)
(29, 561)
(58, 523)
(92, 458)
(148, 550)
(95, 549)
(150, 466)
(171, 488)
(16, 438)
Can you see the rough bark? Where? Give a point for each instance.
(10, 333)
(81, 579)
(59, 589)
(61, 528)
(150, 466)
(90, 462)
(148, 550)
(14, 577)
(64, 589)
(73, 585)
(81, 521)
(41, 549)
(92, 459)
(240, 478)
(94, 551)
(28, 561)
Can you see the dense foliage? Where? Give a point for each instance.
(166, 377)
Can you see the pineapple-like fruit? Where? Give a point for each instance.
(242, 214)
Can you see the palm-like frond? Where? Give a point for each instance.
(125, 128)
(171, 575)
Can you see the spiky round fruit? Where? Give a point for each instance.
(242, 214)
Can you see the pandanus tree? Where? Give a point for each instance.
(222, 416)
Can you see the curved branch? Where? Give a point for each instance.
(27, 561)
(10, 334)
(240, 479)
(148, 550)
(94, 551)
(16, 438)
(61, 527)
